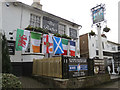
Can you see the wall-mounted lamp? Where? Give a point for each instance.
(11, 34)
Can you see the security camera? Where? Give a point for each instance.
(7, 4)
(10, 33)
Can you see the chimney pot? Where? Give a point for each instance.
(36, 4)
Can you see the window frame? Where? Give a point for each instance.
(35, 20)
(61, 30)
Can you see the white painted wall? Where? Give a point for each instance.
(0, 16)
(19, 17)
(119, 22)
(93, 46)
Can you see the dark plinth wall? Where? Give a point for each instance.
(22, 68)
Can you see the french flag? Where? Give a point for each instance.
(72, 48)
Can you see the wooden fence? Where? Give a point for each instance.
(60, 67)
(48, 67)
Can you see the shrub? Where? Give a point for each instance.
(37, 29)
(64, 36)
(92, 33)
(57, 35)
(6, 63)
(29, 28)
(10, 81)
(106, 29)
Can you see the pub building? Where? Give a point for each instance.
(17, 15)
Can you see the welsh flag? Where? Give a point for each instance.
(72, 48)
(22, 39)
(65, 46)
(35, 41)
(48, 43)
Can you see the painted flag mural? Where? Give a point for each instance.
(48, 43)
(65, 46)
(58, 49)
(22, 39)
(72, 48)
(35, 41)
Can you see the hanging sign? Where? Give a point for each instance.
(97, 14)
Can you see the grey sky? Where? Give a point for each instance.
(78, 11)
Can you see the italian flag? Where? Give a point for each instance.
(65, 46)
(22, 39)
(35, 41)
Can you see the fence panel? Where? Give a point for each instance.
(34, 67)
(61, 67)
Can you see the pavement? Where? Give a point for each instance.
(29, 82)
(114, 77)
(114, 84)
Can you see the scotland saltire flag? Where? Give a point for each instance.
(58, 49)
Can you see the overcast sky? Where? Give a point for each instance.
(78, 11)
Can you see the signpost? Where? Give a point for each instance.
(98, 17)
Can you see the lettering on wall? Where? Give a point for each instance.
(50, 24)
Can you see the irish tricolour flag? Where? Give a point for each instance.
(65, 46)
(35, 41)
(22, 39)
(72, 48)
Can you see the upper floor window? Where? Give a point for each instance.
(73, 33)
(113, 48)
(34, 20)
(61, 29)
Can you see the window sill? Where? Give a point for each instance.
(33, 54)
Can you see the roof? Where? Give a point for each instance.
(113, 42)
(52, 15)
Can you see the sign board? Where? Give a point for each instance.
(73, 33)
(99, 66)
(50, 24)
(11, 47)
(97, 14)
(77, 67)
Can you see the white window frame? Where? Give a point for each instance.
(35, 20)
(61, 30)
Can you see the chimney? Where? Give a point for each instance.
(36, 4)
